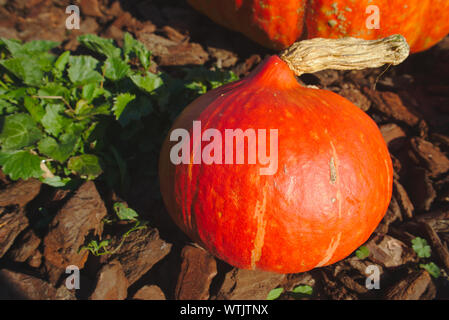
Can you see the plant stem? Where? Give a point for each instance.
(309, 56)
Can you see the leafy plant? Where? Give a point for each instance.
(421, 247)
(432, 268)
(423, 250)
(68, 117)
(362, 252)
(303, 289)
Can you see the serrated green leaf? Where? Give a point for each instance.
(100, 45)
(133, 47)
(147, 83)
(135, 110)
(53, 90)
(19, 130)
(39, 46)
(54, 120)
(26, 69)
(82, 70)
(303, 289)
(59, 151)
(432, 268)
(362, 253)
(91, 91)
(421, 247)
(86, 165)
(116, 69)
(21, 165)
(275, 293)
(61, 63)
(125, 213)
(120, 103)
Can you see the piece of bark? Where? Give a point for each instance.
(393, 135)
(438, 220)
(14, 285)
(24, 247)
(12, 222)
(411, 287)
(140, 251)
(390, 104)
(198, 268)
(151, 292)
(20, 193)
(353, 94)
(420, 189)
(351, 284)
(389, 252)
(111, 283)
(241, 284)
(431, 156)
(82, 214)
(404, 202)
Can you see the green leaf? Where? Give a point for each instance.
(147, 83)
(421, 247)
(91, 91)
(303, 289)
(58, 151)
(54, 90)
(116, 69)
(120, 103)
(7, 107)
(135, 110)
(275, 293)
(39, 46)
(54, 120)
(82, 70)
(34, 108)
(125, 213)
(61, 63)
(86, 165)
(362, 253)
(432, 268)
(26, 69)
(21, 165)
(19, 131)
(133, 47)
(56, 181)
(100, 45)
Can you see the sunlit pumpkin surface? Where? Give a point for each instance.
(332, 187)
(277, 24)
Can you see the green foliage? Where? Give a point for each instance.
(89, 116)
(275, 293)
(303, 289)
(362, 253)
(421, 247)
(432, 268)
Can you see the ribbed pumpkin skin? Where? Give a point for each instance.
(277, 24)
(332, 187)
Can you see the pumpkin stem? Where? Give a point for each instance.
(318, 54)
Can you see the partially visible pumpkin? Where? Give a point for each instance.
(277, 24)
(334, 174)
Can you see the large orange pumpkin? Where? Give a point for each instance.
(331, 187)
(277, 24)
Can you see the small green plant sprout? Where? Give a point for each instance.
(421, 247)
(275, 293)
(125, 213)
(97, 249)
(432, 268)
(362, 252)
(303, 289)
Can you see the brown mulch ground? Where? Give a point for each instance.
(410, 103)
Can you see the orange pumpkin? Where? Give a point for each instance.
(277, 24)
(328, 190)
